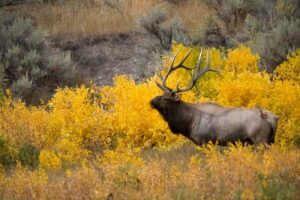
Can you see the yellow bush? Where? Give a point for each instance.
(240, 60)
(290, 69)
(284, 100)
(21, 124)
(70, 125)
(244, 90)
(49, 160)
(70, 152)
(74, 115)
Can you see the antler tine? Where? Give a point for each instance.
(194, 79)
(164, 87)
(198, 73)
(169, 72)
(199, 60)
(161, 87)
(180, 65)
(207, 59)
(173, 61)
(207, 67)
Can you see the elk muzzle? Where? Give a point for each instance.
(154, 103)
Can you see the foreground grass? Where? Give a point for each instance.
(179, 173)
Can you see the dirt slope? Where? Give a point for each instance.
(101, 58)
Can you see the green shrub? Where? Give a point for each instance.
(154, 24)
(29, 156)
(8, 156)
(32, 68)
(176, 2)
(228, 19)
(270, 27)
(4, 3)
(275, 34)
(211, 34)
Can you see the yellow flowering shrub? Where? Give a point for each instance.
(70, 152)
(67, 128)
(49, 160)
(74, 115)
(241, 84)
(290, 69)
(244, 90)
(283, 101)
(20, 124)
(240, 60)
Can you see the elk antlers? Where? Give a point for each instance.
(196, 75)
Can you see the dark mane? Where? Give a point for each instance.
(180, 117)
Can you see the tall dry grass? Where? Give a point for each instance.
(77, 19)
(233, 173)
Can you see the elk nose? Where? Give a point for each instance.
(152, 103)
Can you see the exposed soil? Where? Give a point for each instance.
(101, 58)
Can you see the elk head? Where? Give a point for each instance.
(171, 97)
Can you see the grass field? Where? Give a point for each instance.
(80, 19)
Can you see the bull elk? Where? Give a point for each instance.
(206, 122)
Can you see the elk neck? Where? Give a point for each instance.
(180, 117)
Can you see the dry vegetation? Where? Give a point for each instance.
(88, 19)
(235, 173)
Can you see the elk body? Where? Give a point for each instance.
(206, 122)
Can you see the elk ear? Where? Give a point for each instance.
(177, 97)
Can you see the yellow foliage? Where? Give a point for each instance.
(284, 101)
(20, 124)
(70, 152)
(244, 90)
(236, 172)
(74, 115)
(49, 160)
(290, 69)
(240, 60)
